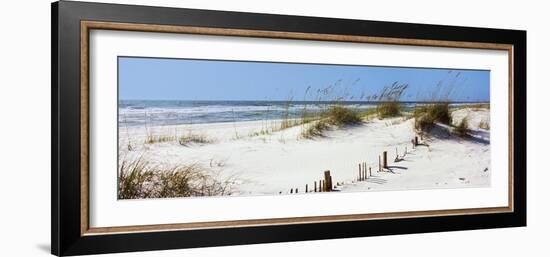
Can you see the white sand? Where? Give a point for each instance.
(276, 162)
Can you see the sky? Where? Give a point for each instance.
(186, 79)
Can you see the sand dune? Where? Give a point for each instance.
(274, 162)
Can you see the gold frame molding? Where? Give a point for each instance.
(86, 26)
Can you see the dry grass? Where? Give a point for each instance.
(427, 115)
(153, 139)
(315, 130)
(134, 180)
(289, 123)
(390, 97)
(192, 138)
(184, 140)
(484, 125)
(388, 109)
(342, 116)
(262, 132)
(462, 129)
(138, 179)
(335, 116)
(368, 114)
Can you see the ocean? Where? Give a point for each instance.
(176, 112)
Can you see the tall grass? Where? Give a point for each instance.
(462, 128)
(388, 109)
(438, 110)
(287, 122)
(315, 130)
(484, 125)
(134, 180)
(153, 139)
(428, 114)
(138, 179)
(129, 145)
(335, 116)
(390, 96)
(184, 140)
(191, 138)
(341, 116)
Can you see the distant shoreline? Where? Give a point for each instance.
(170, 112)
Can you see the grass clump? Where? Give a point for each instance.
(190, 138)
(133, 179)
(138, 179)
(462, 129)
(427, 115)
(342, 116)
(316, 129)
(389, 98)
(184, 140)
(337, 116)
(289, 123)
(153, 139)
(484, 125)
(388, 109)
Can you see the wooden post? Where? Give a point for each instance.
(314, 186)
(370, 172)
(292, 190)
(364, 170)
(379, 164)
(296, 190)
(323, 186)
(416, 140)
(359, 179)
(385, 159)
(328, 181)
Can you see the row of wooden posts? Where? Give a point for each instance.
(325, 185)
(363, 173)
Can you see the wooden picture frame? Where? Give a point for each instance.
(71, 25)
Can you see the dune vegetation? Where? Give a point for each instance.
(139, 179)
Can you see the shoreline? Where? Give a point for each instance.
(293, 110)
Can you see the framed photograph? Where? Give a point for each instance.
(178, 128)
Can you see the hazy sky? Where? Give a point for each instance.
(182, 79)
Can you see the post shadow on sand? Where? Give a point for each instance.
(478, 137)
(376, 180)
(443, 132)
(379, 181)
(391, 169)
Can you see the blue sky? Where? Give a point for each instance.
(183, 79)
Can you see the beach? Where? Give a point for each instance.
(258, 157)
